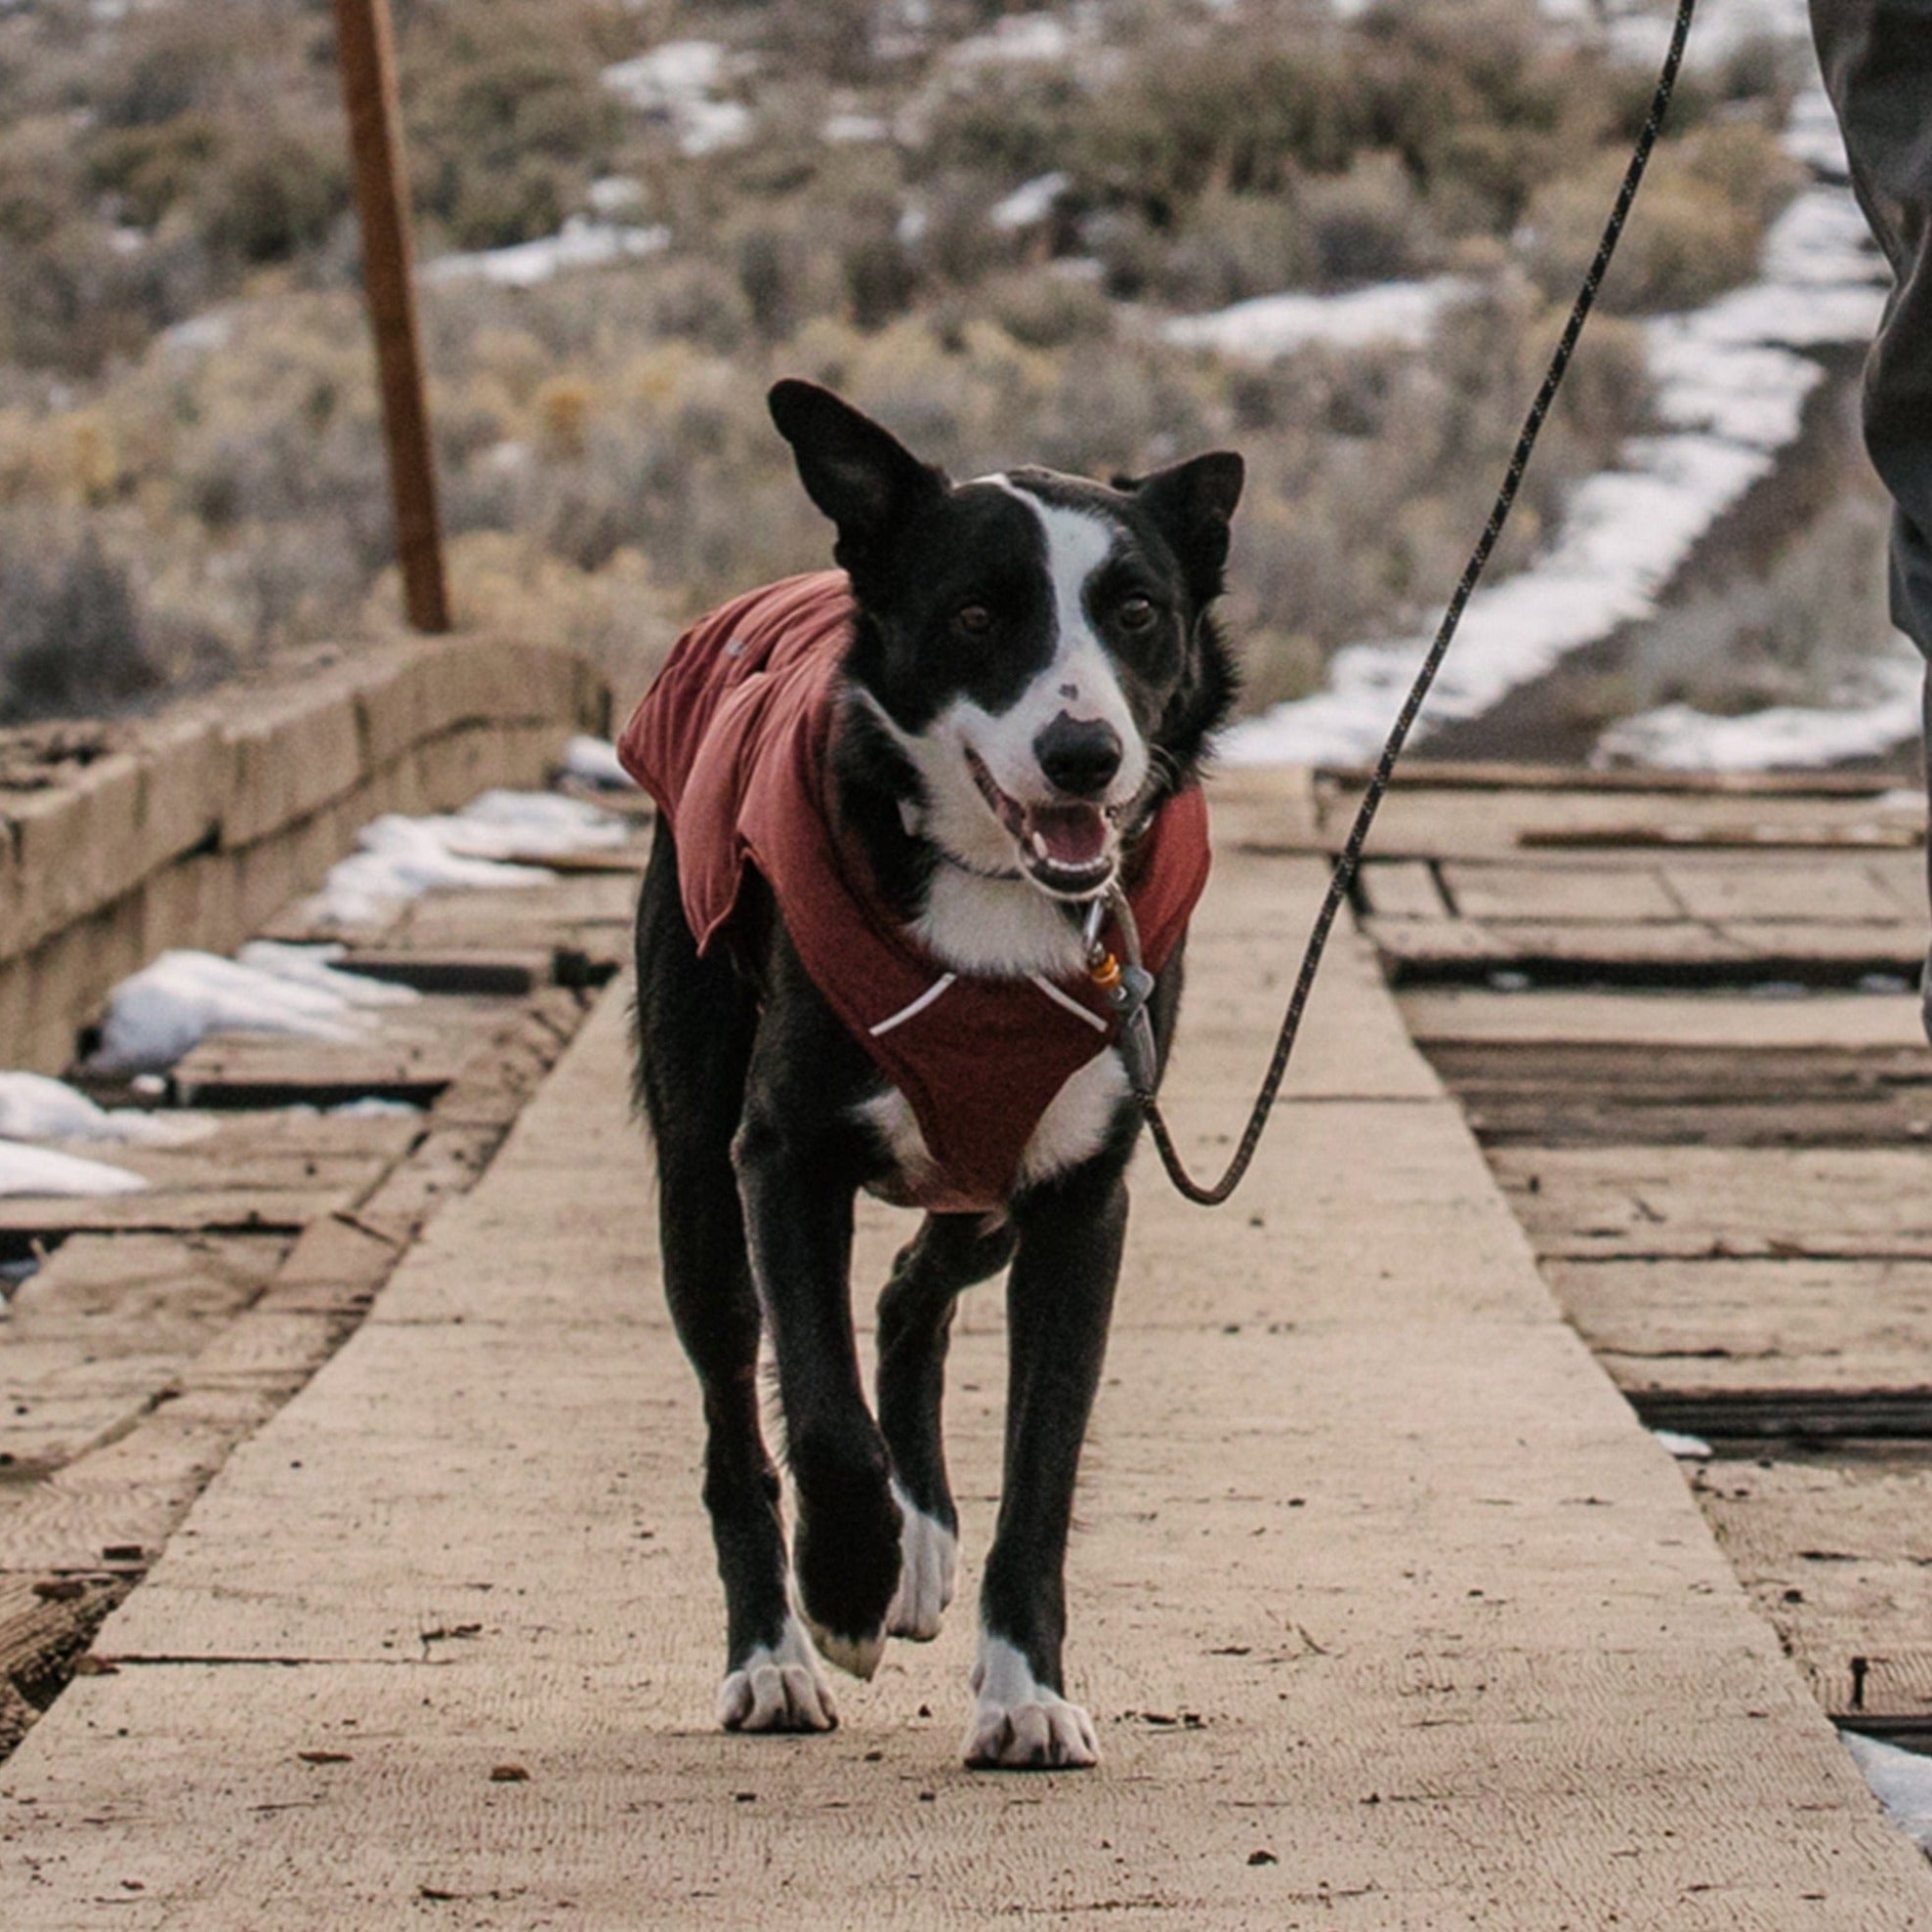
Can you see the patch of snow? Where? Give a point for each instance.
(1638, 31)
(504, 823)
(676, 83)
(35, 1107)
(1685, 1449)
(201, 334)
(166, 1009)
(1812, 136)
(314, 966)
(1273, 325)
(579, 244)
(1871, 720)
(847, 130)
(373, 1108)
(1900, 1779)
(1019, 39)
(612, 195)
(397, 860)
(44, 1170)
(1031, 204)
(1732, 382)
(592, 761)
(400, 858)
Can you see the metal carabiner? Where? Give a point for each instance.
(1127, 987)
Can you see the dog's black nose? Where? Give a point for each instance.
(1079, 756)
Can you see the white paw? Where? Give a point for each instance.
(928, 1568)
(777, 1689)
(856, 1656)
(1018, 1724)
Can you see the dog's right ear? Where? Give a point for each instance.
(860, 475)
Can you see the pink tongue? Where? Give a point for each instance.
(1074, 834)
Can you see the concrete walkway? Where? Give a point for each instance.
(1390, 1614)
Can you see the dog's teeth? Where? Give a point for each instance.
(1039, 847)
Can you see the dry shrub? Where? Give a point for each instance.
(510, 587)
(75, 643)
(1696, 231)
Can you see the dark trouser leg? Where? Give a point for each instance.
(1876, 57)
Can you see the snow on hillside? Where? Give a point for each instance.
(1731, 383)
(1270, 325)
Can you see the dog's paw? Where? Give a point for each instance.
(1018, 1723)
(857, 1657)
(846, 1565)
(777, 1688)
(928, 1568)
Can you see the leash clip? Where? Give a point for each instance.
(1127, 988)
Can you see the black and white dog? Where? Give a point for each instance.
(1028, 677)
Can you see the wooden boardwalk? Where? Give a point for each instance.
(1391, 1611)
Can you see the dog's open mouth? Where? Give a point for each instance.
(1071, 849)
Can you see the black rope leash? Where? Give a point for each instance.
(1136, 1036)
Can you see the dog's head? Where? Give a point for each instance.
(1037, 647)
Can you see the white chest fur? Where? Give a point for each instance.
(1071, 1130)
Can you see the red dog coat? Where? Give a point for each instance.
(731, 742)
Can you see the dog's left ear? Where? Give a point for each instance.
(1193, 505)
(858, 474)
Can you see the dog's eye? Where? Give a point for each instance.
(972, 621)
(1135, 614)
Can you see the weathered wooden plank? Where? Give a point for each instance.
(1436, 823)
(47, 1422)
(1430, 947)
(1610, 1119)
(1640, 837)
(628, 858)
(594, 910)
(46, 1622)
(1403, 889)
(1682, 1073)
(448, 1162)
(1774, 1202)
(1421, 952)
(1415, 773)
(183, 1210)
(1806, 1417)
(237, 1162)
(504, 1070)
(1615, 896)
(1722, 1326)
(110, 1281)
(501, 971)
(1659, 954)
(1895, 949)
(128, 1493)
(1837, 890)
(1839, 1557)
(1567, 1094)
(1854, 1021)
(263, 1070)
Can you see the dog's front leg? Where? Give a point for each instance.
(1060, 1297)
(846, 1546)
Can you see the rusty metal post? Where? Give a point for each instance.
(366, 54)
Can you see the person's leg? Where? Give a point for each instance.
(1876, 57)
